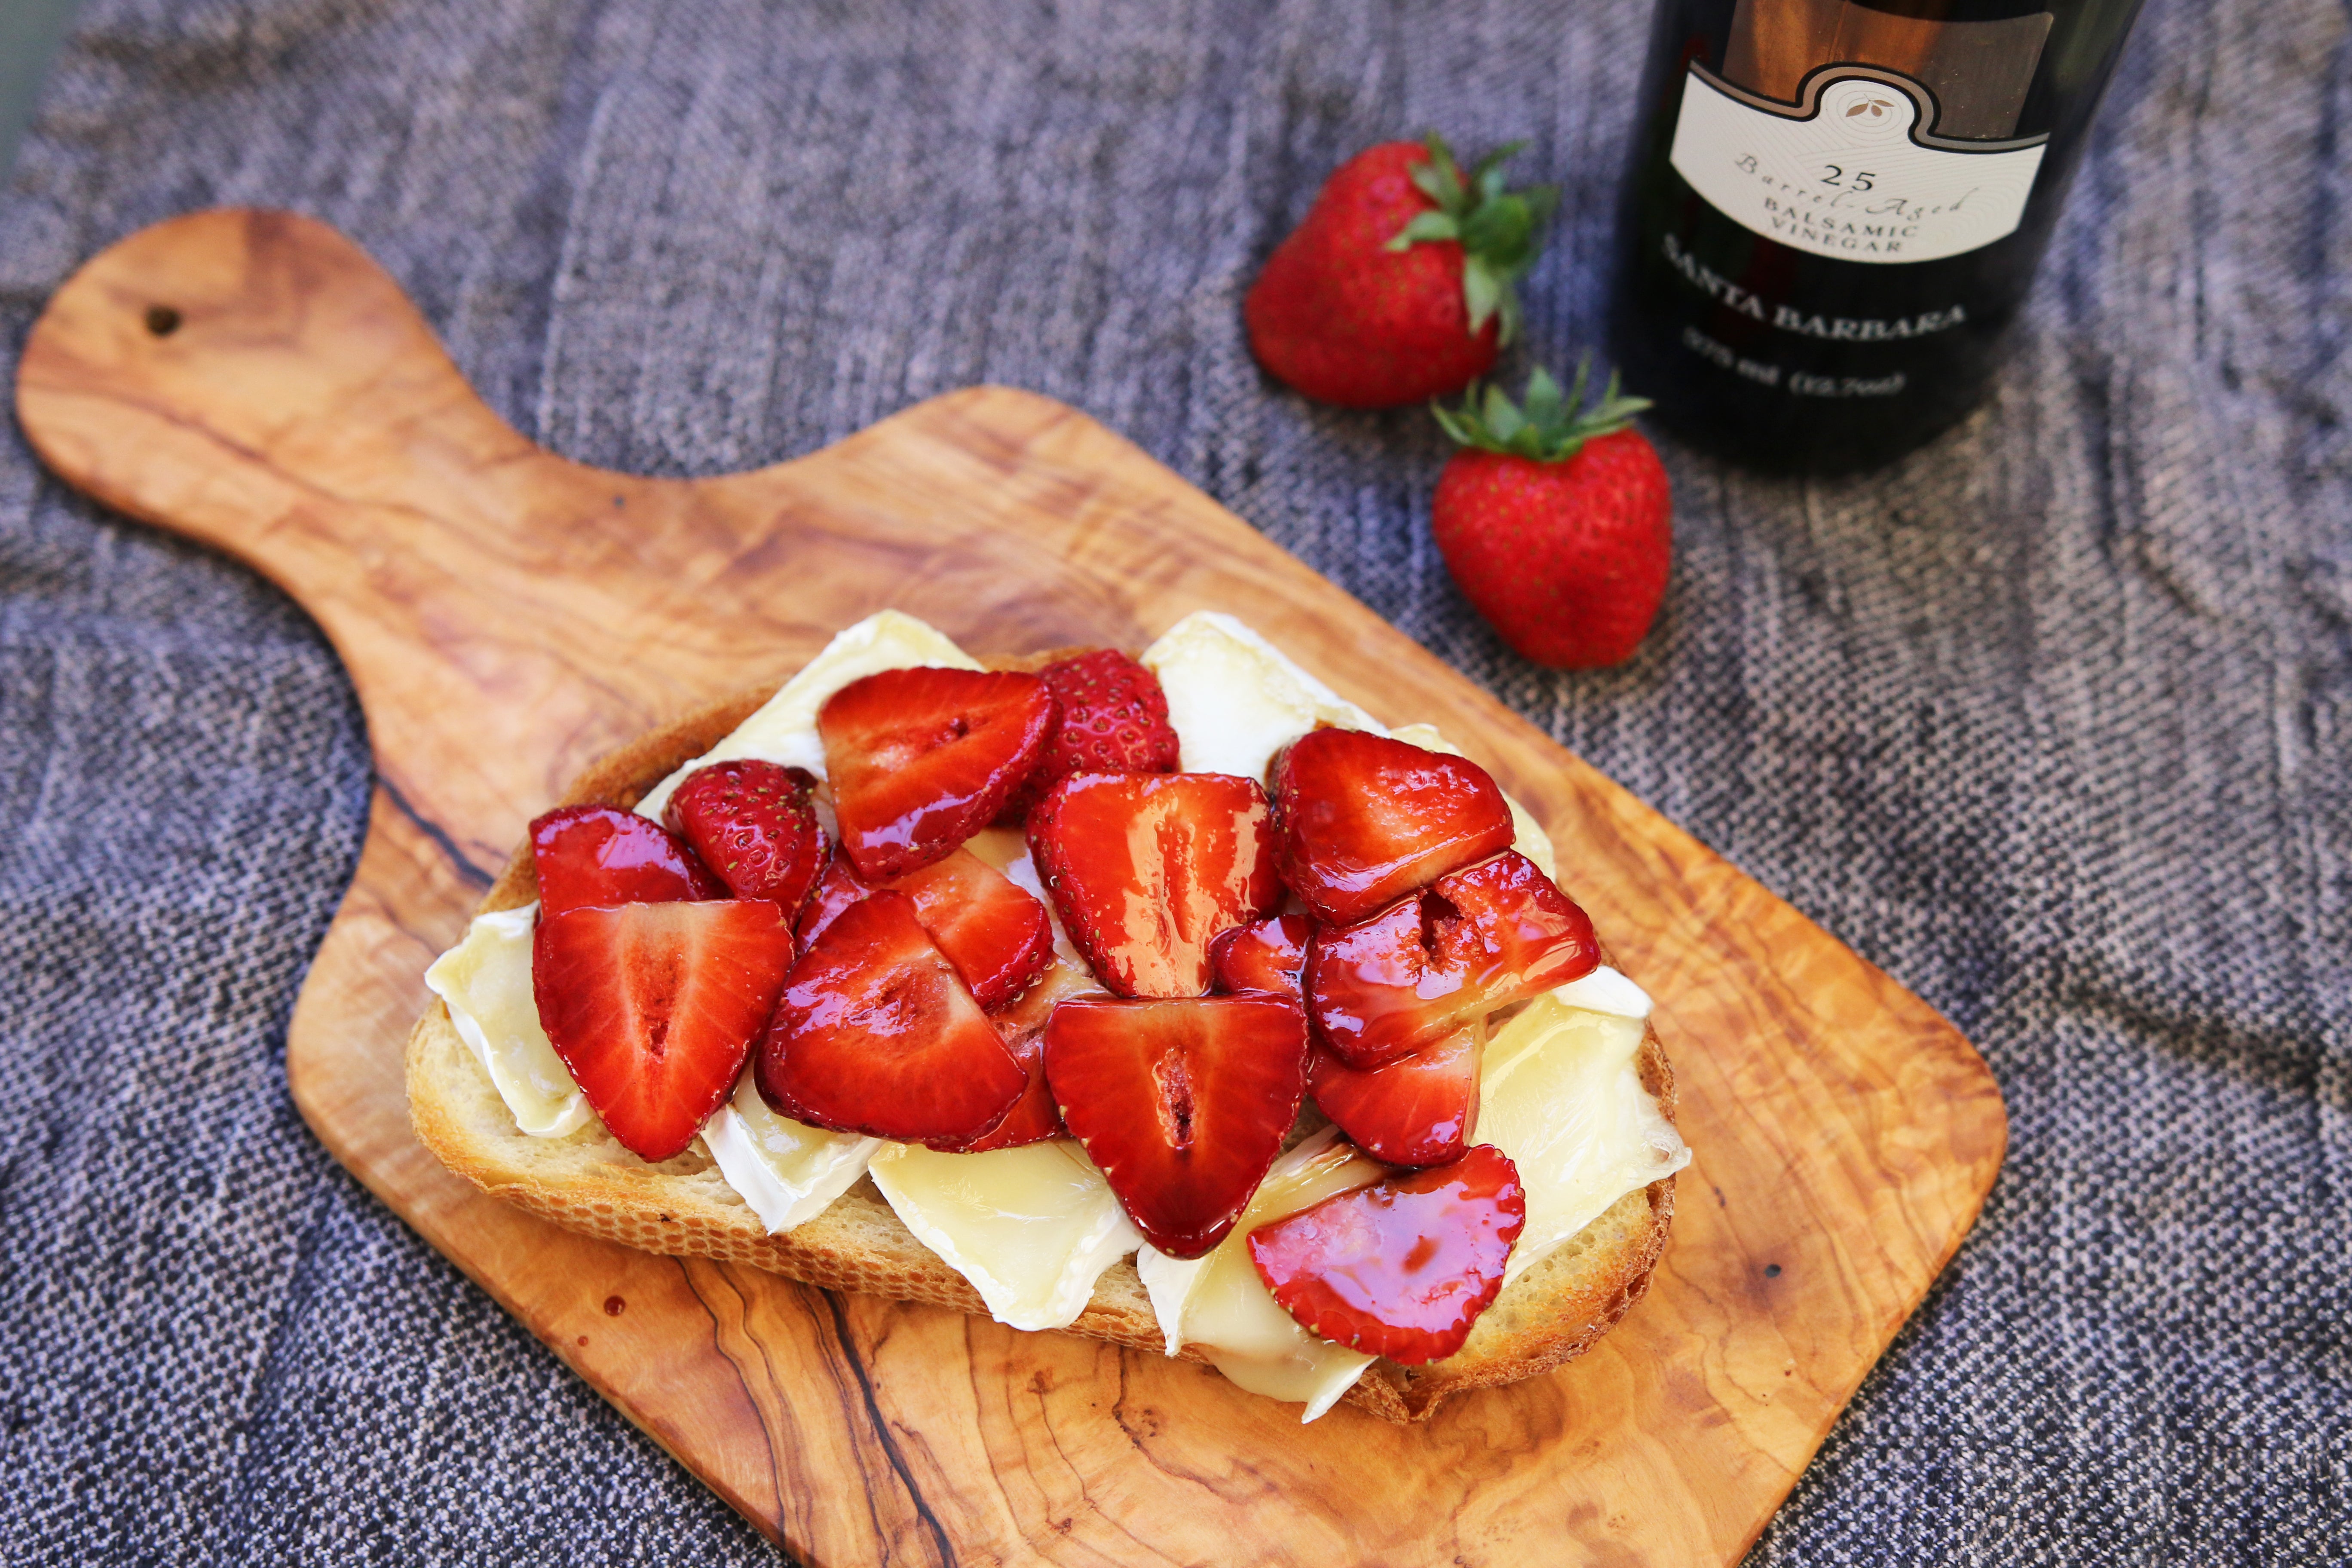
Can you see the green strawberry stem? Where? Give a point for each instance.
(1500, 231)
(1549, 429)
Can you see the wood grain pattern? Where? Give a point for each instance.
(507, 615)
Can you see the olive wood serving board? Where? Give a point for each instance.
(253, 380)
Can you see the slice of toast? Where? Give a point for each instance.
(587, 1181)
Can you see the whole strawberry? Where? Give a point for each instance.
(1399, 286)
(1557, 524)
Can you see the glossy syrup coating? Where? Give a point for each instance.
(1266, 954)
(995, 933)
(1367, 820)
(601, 855)
(922, 759)
(1419, 1110)
(877, 1033)
(1110, 716)
(1481, 939)
(653, 1007)
(1402, 1268)
(753, 824)
(1182, 1102)
(1148, 870)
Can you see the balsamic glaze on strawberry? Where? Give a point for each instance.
(1405, 1267)
(1183, 1103)
(1481, 939)
(877, 1033)
(601, 855)
(1366, 820)
(922, 759)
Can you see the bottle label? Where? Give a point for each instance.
(1849, 172)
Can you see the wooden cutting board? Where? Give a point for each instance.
(254, 380)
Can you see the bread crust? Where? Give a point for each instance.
(586, 1182)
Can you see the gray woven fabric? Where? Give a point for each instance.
(2052, 720)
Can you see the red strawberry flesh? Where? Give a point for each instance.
(1480, 939)
(1183, 1103)
(1147, 870)
(993, 930)
(1366, 820)
(1035, 1117)
(877, 1033)
(1419, 1110)
(921, 759)
(1264, 955)
(1402, 1268)
(601, 855)
(653, 1007)
(751, 823)
(1110, 717)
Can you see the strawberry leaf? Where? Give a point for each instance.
(1499, 231)
(1481, 290)
(1426, 226)
(1551, 428)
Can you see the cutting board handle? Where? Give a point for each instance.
(253, 380)
(217, 372)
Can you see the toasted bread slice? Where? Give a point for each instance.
(683, 1207)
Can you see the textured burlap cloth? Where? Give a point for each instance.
(2053, 720)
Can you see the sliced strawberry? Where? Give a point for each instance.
(602, 855)
(1112, 716)
(1402, 1268)
(1417, 1110)
(1478, 939)
(1183, 1103)
(753, 823)
(990, 928)
(1264, 955)
(1148, 869)
(1366, 820)
(876, 1033)
(653, 1007)
(922, 759)
(1033, 1117)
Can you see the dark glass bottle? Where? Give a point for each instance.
(1833, 209)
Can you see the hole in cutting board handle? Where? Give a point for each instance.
(162, 320)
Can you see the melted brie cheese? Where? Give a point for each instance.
(1560, 1094)
(1605, 991)
(1218, 1304)
(788, 1171)
(486, 981)
(783, 730)
(1234, 700)
(1032, 1227)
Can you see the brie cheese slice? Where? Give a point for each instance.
(486, 981)
(1032, 1227)
(1605, 991)
(1234, 700)
(1218, 1303)
(1560, 1094)
(789, 1172)
(783, 730)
